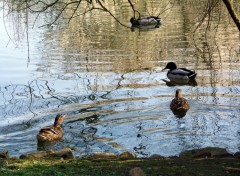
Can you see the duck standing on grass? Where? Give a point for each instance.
(175, 73)
(179, 105)
(52, 133)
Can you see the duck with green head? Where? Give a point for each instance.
(175, 73)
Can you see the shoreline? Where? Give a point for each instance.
(206, 161)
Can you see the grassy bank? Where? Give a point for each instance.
(152, 167)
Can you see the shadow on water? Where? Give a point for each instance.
(144, 28)
(191, 82)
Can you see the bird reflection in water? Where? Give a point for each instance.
(177, 82)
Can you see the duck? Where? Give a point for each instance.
(52, 133)
(146, 21)
(175, 73)
(179, 105)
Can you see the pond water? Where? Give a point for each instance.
(107, 78)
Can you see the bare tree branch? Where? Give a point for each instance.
(232, 13)
(134, 11)
(105, 9)
(209, 8)
(79, 2)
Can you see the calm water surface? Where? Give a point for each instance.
(108, 80)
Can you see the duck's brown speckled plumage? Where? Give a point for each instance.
(179, 103)
(51, 133)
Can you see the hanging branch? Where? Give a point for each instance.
(27, 34)
(209, 8)
(64, 7)
(134, 11)
(4, 23)
(106, 10)
(165, 9)
(132, 6)
(59, 14)
(45, 7)
(79, 2)
(232, 13)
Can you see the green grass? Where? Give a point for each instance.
(159, 167)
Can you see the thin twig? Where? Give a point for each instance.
(4, 23)
(105, 9)
(28, 49)
(79, 2)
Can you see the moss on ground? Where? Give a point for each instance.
(152, 167)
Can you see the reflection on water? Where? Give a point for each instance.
(108, 80)
(190, 82)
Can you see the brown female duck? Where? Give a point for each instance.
(179, 105)
(51, 133)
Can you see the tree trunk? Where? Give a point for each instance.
(232, 13)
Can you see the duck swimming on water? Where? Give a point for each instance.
(146, 21)
(179, 73)
(52, 133)
(179, 105)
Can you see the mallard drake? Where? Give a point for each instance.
(52, 133)
(175, 73)
(145, 21)
(179, 105)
